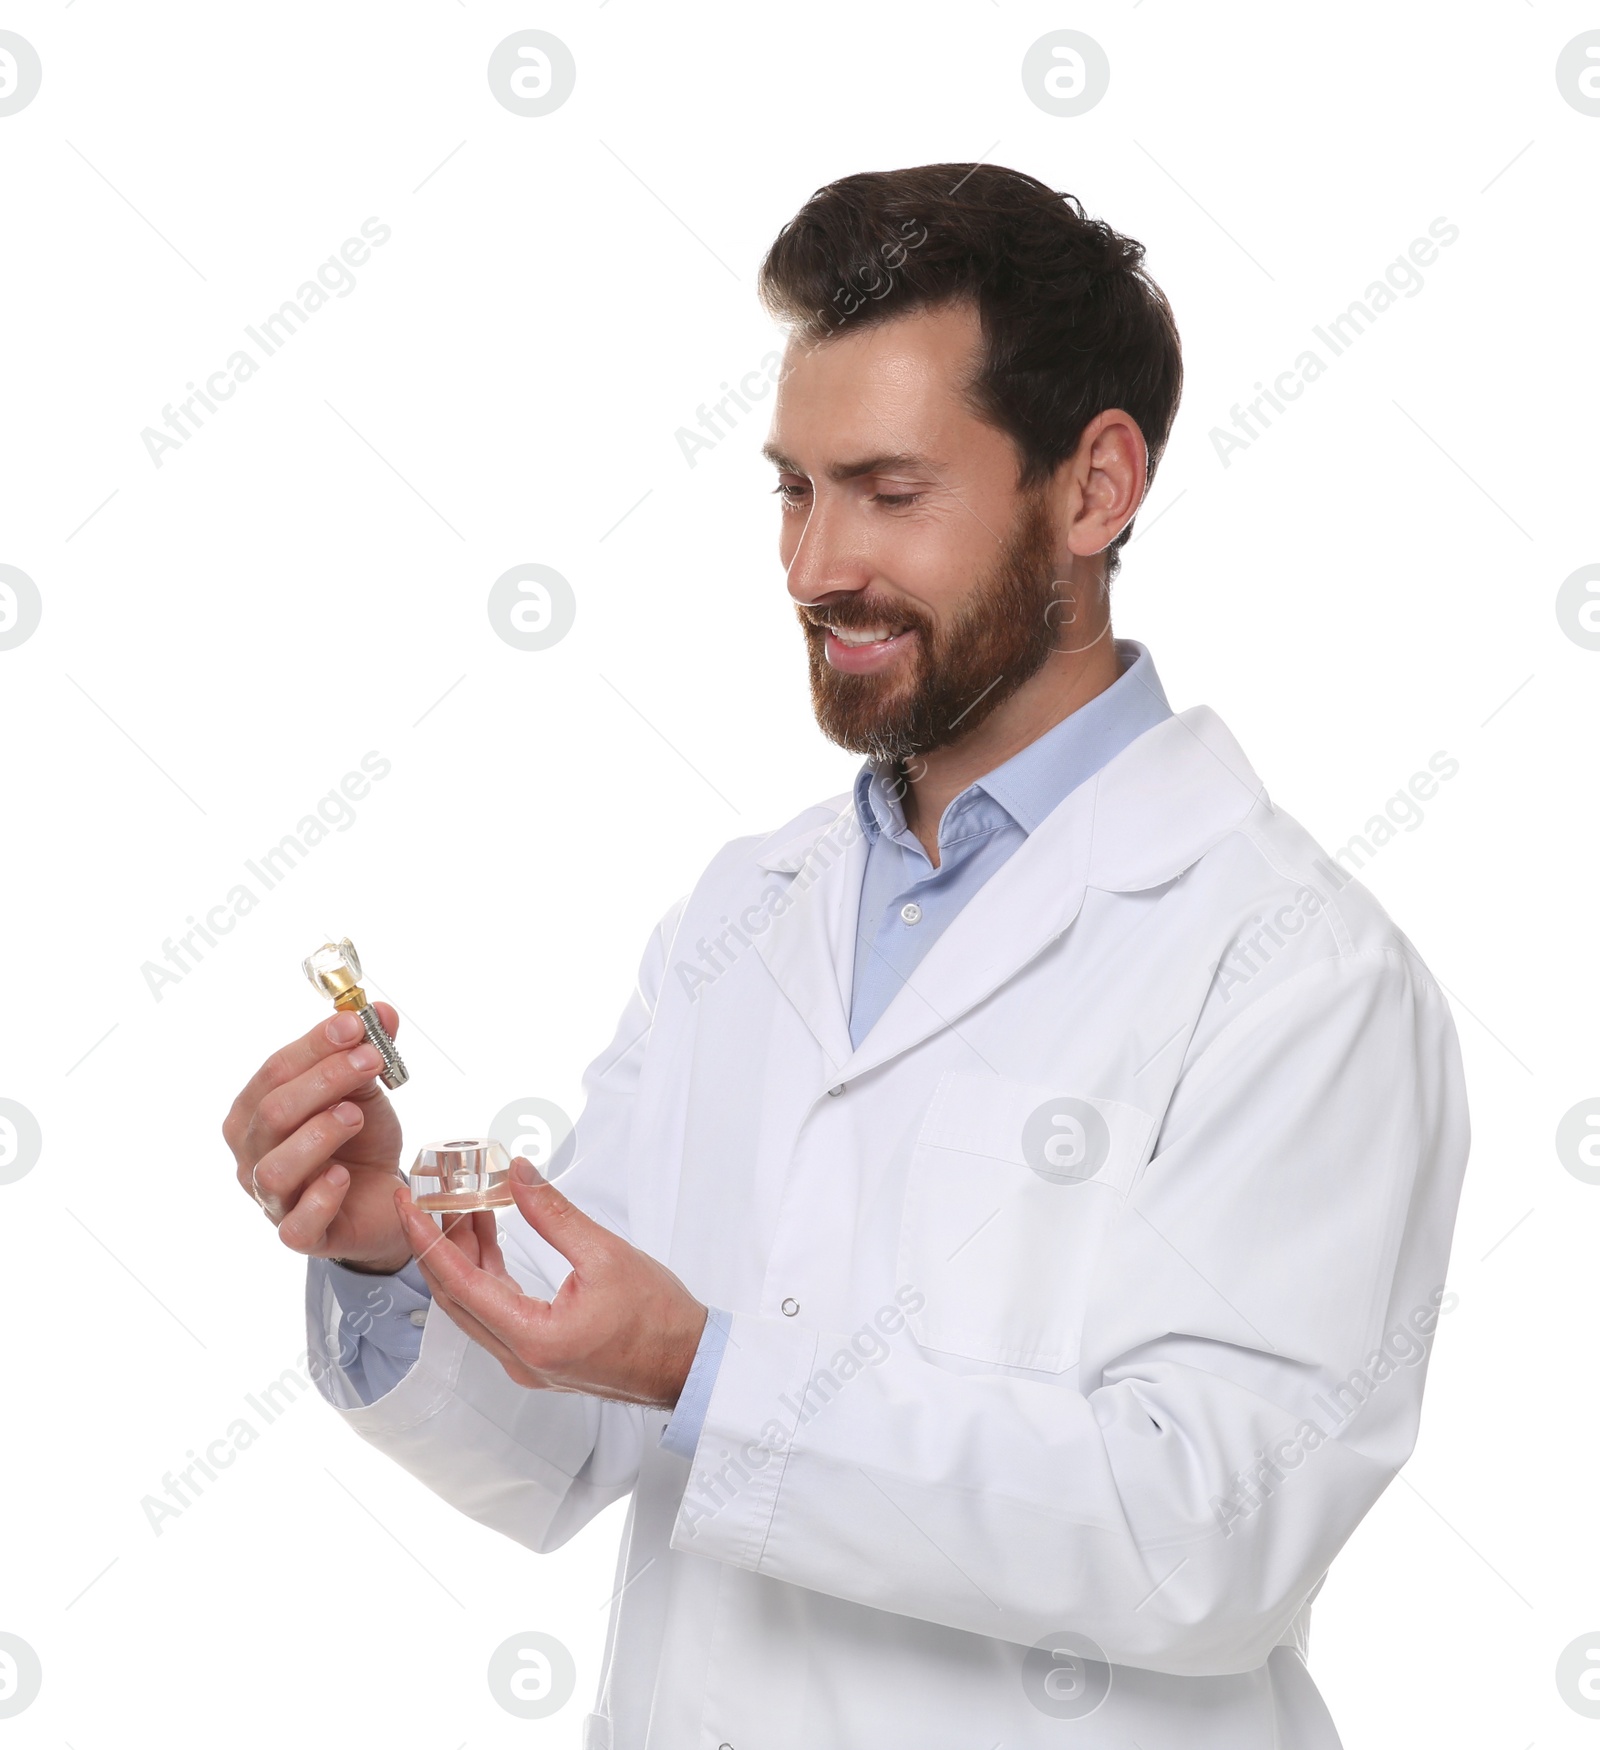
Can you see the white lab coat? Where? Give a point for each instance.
(974, 1398)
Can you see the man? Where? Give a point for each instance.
(999, 1248)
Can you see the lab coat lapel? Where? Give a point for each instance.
(1022, 908)
(1141, 820)
(810, 947)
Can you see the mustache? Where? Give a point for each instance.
(858, 614)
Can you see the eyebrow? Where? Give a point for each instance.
(901, 462)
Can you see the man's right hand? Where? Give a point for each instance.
(318, 1146)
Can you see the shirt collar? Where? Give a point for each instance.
(1033, 783)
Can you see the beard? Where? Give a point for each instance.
(960, 671)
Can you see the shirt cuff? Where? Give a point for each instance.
(682, 1434)
(380, 1324)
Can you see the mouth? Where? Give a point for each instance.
(864, 649)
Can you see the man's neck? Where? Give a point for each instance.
(1067, 682)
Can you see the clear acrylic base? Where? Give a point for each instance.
(473, 1173)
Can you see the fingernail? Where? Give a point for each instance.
(337, 1176)
(348, 1112)
(344, 1029)
(525, 1173)
(366, 1058)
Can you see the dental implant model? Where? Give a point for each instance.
(335, 970)
(472, 1173)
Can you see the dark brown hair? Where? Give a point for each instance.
(1072, 324)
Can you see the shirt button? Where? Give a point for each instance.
(911, 912)
(836, 1092)
(790, 1308)
(420, 1316)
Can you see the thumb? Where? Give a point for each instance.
(554, 1217)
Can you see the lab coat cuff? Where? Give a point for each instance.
(737, 1469)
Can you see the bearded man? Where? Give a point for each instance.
(999, 1250)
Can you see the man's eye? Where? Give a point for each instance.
(788, 493)
(895, 500)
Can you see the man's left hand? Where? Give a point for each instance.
(621, 1325)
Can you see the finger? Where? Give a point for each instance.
(279, 1177)
(460, 1229)
(468, 1232)
(305, 1227)
(511, 1315)
(430, 1241)
(492, 1258)
(462, 1318)
(474, 1235)
(453, 1230)
(342, 1075)
(338, 1033)
(519, 1371)
(554, 1217)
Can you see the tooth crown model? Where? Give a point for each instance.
(335, 970)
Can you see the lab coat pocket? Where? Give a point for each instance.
(1010, 1190)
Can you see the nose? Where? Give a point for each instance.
(827, 559)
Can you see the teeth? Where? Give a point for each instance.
(857, 638)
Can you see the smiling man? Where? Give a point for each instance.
(1000, 1247)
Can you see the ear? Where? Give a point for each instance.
(1105, 480)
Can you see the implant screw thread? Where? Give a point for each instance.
(394, 1073)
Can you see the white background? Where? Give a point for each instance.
(305, 580)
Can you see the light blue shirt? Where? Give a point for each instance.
(906, 905)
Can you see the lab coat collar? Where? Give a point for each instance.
(1144, 818)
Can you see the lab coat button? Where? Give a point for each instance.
(911, 912)
(836, 1092)
(790, 1308)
